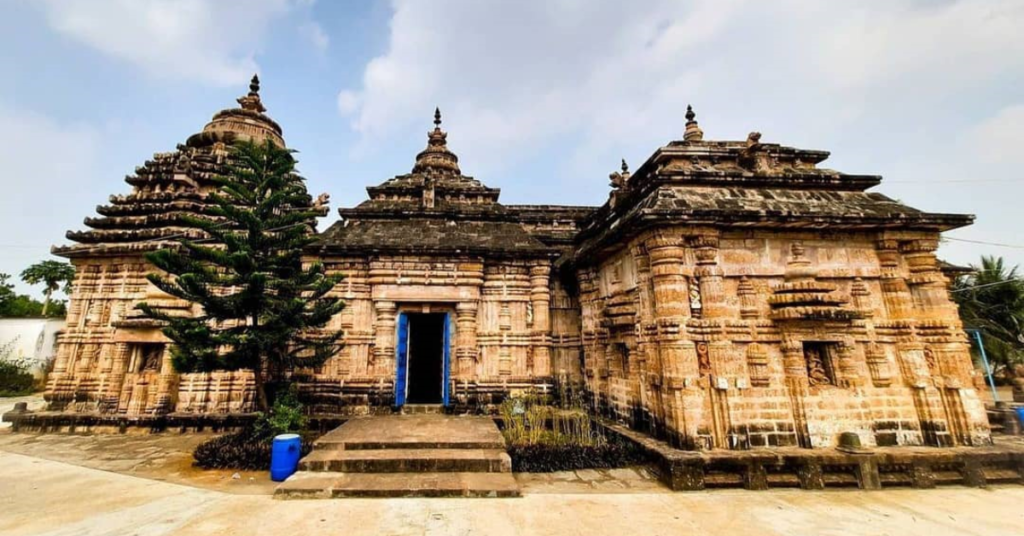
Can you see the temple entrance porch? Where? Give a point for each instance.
(423, 357)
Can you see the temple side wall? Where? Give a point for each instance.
(680, 339)
(513, 329)
(110, 360)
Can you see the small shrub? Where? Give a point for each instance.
(249, 449)
(15, 378)
(286, 416)
(542, 458)
(543, 438)
(244, 450)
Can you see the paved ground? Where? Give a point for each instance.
(144, 485)
(42, 497)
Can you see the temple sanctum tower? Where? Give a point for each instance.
(729, 294)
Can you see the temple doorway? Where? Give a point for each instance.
(422, 358)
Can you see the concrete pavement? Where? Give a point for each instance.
(43, 497)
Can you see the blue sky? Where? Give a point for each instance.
(541, 99)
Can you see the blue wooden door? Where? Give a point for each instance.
(446, 359)
(402, 359)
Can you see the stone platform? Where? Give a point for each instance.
(875, 468)
(418, 455)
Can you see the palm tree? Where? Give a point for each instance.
(991, 299)
(53, 274)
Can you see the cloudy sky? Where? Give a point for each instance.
(540, 98)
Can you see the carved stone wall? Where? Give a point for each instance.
(506, 334)
(741, 339)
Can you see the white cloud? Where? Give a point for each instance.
(48, 166)
(314, 33)
(348, 101)
(1000, 138)
(512, 77)
(212, 41)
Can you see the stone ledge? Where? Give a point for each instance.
(81, 422)
(884, 467)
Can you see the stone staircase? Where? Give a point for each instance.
(419, 455)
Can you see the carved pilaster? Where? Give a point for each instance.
(861, 297)
(849, 375)
(748, 298)
(793, 359)
(709, 273)
(116, 378)
(757, 365)
(384, 348)
(895, 292)
(878, 365)
(540, 299)
(465, 339)
(167, 386)
(667, 278)
(926, 282)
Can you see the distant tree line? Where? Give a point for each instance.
(53, 275)
(991, 300)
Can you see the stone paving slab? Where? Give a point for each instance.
(399, 460)
(379, 485)
(46, 498)
(414, 431)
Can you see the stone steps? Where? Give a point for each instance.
(379, 485)
(421, 455)
(408, 460)
(422, 409)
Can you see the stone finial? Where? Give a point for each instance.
(619, 180)
(436, 158)
(252, 100)
(753, 139)
(693, 132)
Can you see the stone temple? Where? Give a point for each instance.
(728, 295)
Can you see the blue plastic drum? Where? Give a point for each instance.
(284, 456)
(1020, 415)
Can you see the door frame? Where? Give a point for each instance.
(402, 358)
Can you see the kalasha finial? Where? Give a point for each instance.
(693, 131)
(252, 100)
(437, 117)
(625, 166)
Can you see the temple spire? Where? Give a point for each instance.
(693, 131)
(252, 100)
(436, 158)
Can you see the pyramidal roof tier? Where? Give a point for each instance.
(172, 185)
(433, 209)
(746, 184)
(435, 183)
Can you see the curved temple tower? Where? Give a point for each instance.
(728, 295)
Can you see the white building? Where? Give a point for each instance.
(30, 339)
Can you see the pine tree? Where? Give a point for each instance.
(262, 310)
